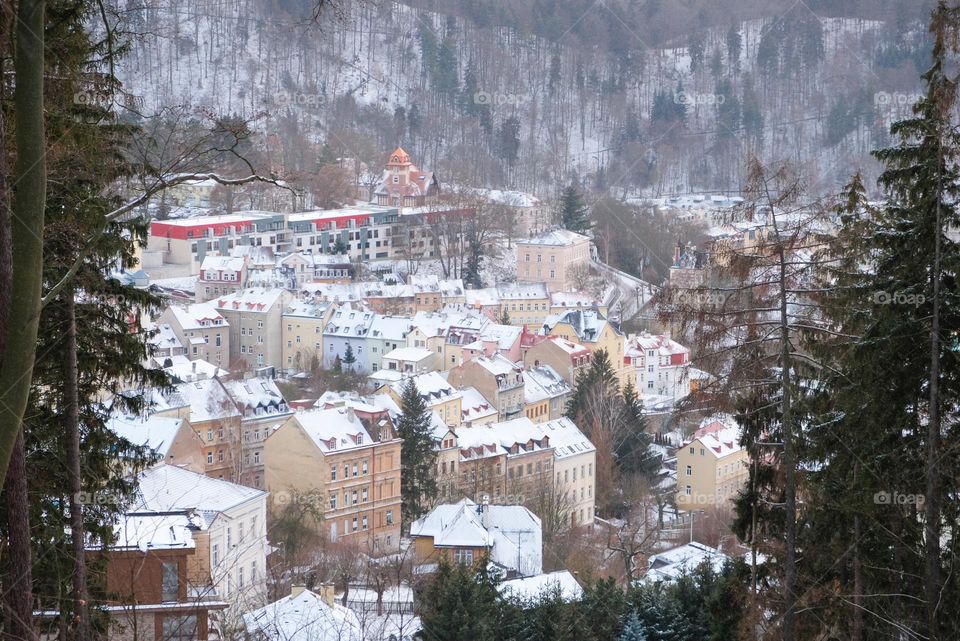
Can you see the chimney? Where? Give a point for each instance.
(327, 592)
(485, 511)
(193, 365)
(297, 589)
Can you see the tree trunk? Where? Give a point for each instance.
(26, 227)
(71, 428)
(856, 627)
(931, 517)
(18, 586)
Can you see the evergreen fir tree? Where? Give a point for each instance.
(446, 77)
(349, 358)
(633, 629)
(504, 317)
(460, 603)
(508, 140)
(573, 212)
(418, 486)
(634, 455)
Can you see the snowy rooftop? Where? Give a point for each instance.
(543, 382)
(184, 369)
(517, 291)
(509, 531)
(432, 386)
(409, 354)
(671, 564)
(198, 316)
(555, 237)
(148, 531)
(719, 438)
(474, 406)
(208, 400)
(305, 617)
(256, 299)
(394, 328)
(154, 432)
(257, 396)
(222, 263)
(333, 429)
(166, 488)
(543, 586)
(566, 438)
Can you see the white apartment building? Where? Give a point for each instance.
(662, 366)
(236, 518)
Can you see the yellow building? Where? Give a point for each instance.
(524, 303)
(350, 465)
(439, 395)
(553, 258)
(592, 330)
(711, 467)
(302, 338)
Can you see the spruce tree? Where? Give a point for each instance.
(633, 629)
(573, 213)
(349, 358)
(633, 452)
(460, 602)
(418, 486)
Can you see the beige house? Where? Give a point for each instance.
(574, 461)
(255, 318)
(566, 357)
(545, 394)
(350, 466)
(591, 329)
(524, 303)
(202, 330)
(302, 334)
(219, 276)
(410, 360)
(497, 378)
(439, 395)
(553, 258)
(711, 468)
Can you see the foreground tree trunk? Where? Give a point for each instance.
(18, 585)
(26, 226)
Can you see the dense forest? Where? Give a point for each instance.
(639, 98)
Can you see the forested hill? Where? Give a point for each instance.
(635, 96)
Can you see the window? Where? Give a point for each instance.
(364, 523)
(209, 457)
(333, 473)
(389, 517)
(229, 539)
(689, 470)
(687, 490)
(180, 628)
(363, 467)
(333, 501)
(170, 581)
(692, 451)
(355, 468)
(463, 556)
(216, 554)
(354, 524)
(253, 571)
(240, 578)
